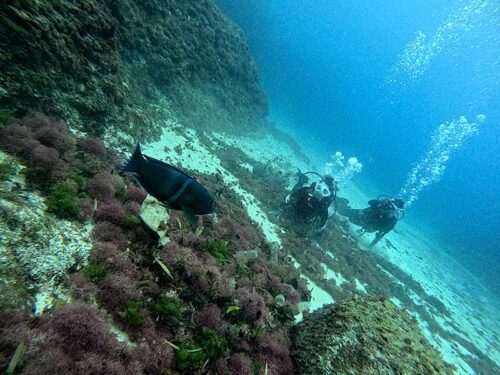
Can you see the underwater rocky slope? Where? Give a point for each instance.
(363, 336)
(97, 278)
(112, 298)
(127, 64)
(211, 300)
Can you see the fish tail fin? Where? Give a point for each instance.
(131, 165)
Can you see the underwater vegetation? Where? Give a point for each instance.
(217, 309)
(127, 64)
(221, 299)
(362, 272)
(364, 335)
(128, 299)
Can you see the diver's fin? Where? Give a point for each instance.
(190, 217)
(132, 164)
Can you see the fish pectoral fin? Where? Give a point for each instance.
(190, 216)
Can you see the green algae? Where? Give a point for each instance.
(127, 65)
(131, 221)
(364, 335)
(218, 248)
(189, 359)
(209, 345)
(6, 115)
(167, 306)
(133, 313)
(62, 202)
(95, 272)
(7, 169)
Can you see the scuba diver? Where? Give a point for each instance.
(306, 207)
(381, 216)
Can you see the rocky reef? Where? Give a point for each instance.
(80, 241)
(95, 278)
(93, 289)
(127, 65)
(363, 335)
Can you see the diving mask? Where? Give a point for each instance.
(321, 190)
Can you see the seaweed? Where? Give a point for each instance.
(130, 221)
(95, 272)
(218, 248)
(167, 306)
(187, 359)
(62, 202)
(6, 170)
(133, 313)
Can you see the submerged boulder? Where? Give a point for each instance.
(364, 335)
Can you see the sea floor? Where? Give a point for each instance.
(474, 313)
(471, 319)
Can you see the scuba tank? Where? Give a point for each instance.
(386, 203)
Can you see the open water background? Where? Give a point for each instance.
(374, 80)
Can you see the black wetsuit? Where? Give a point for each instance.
(307, 212)
(381, 216)
(305, 208)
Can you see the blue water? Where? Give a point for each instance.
(332, 72)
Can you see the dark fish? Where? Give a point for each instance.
(171, 186)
